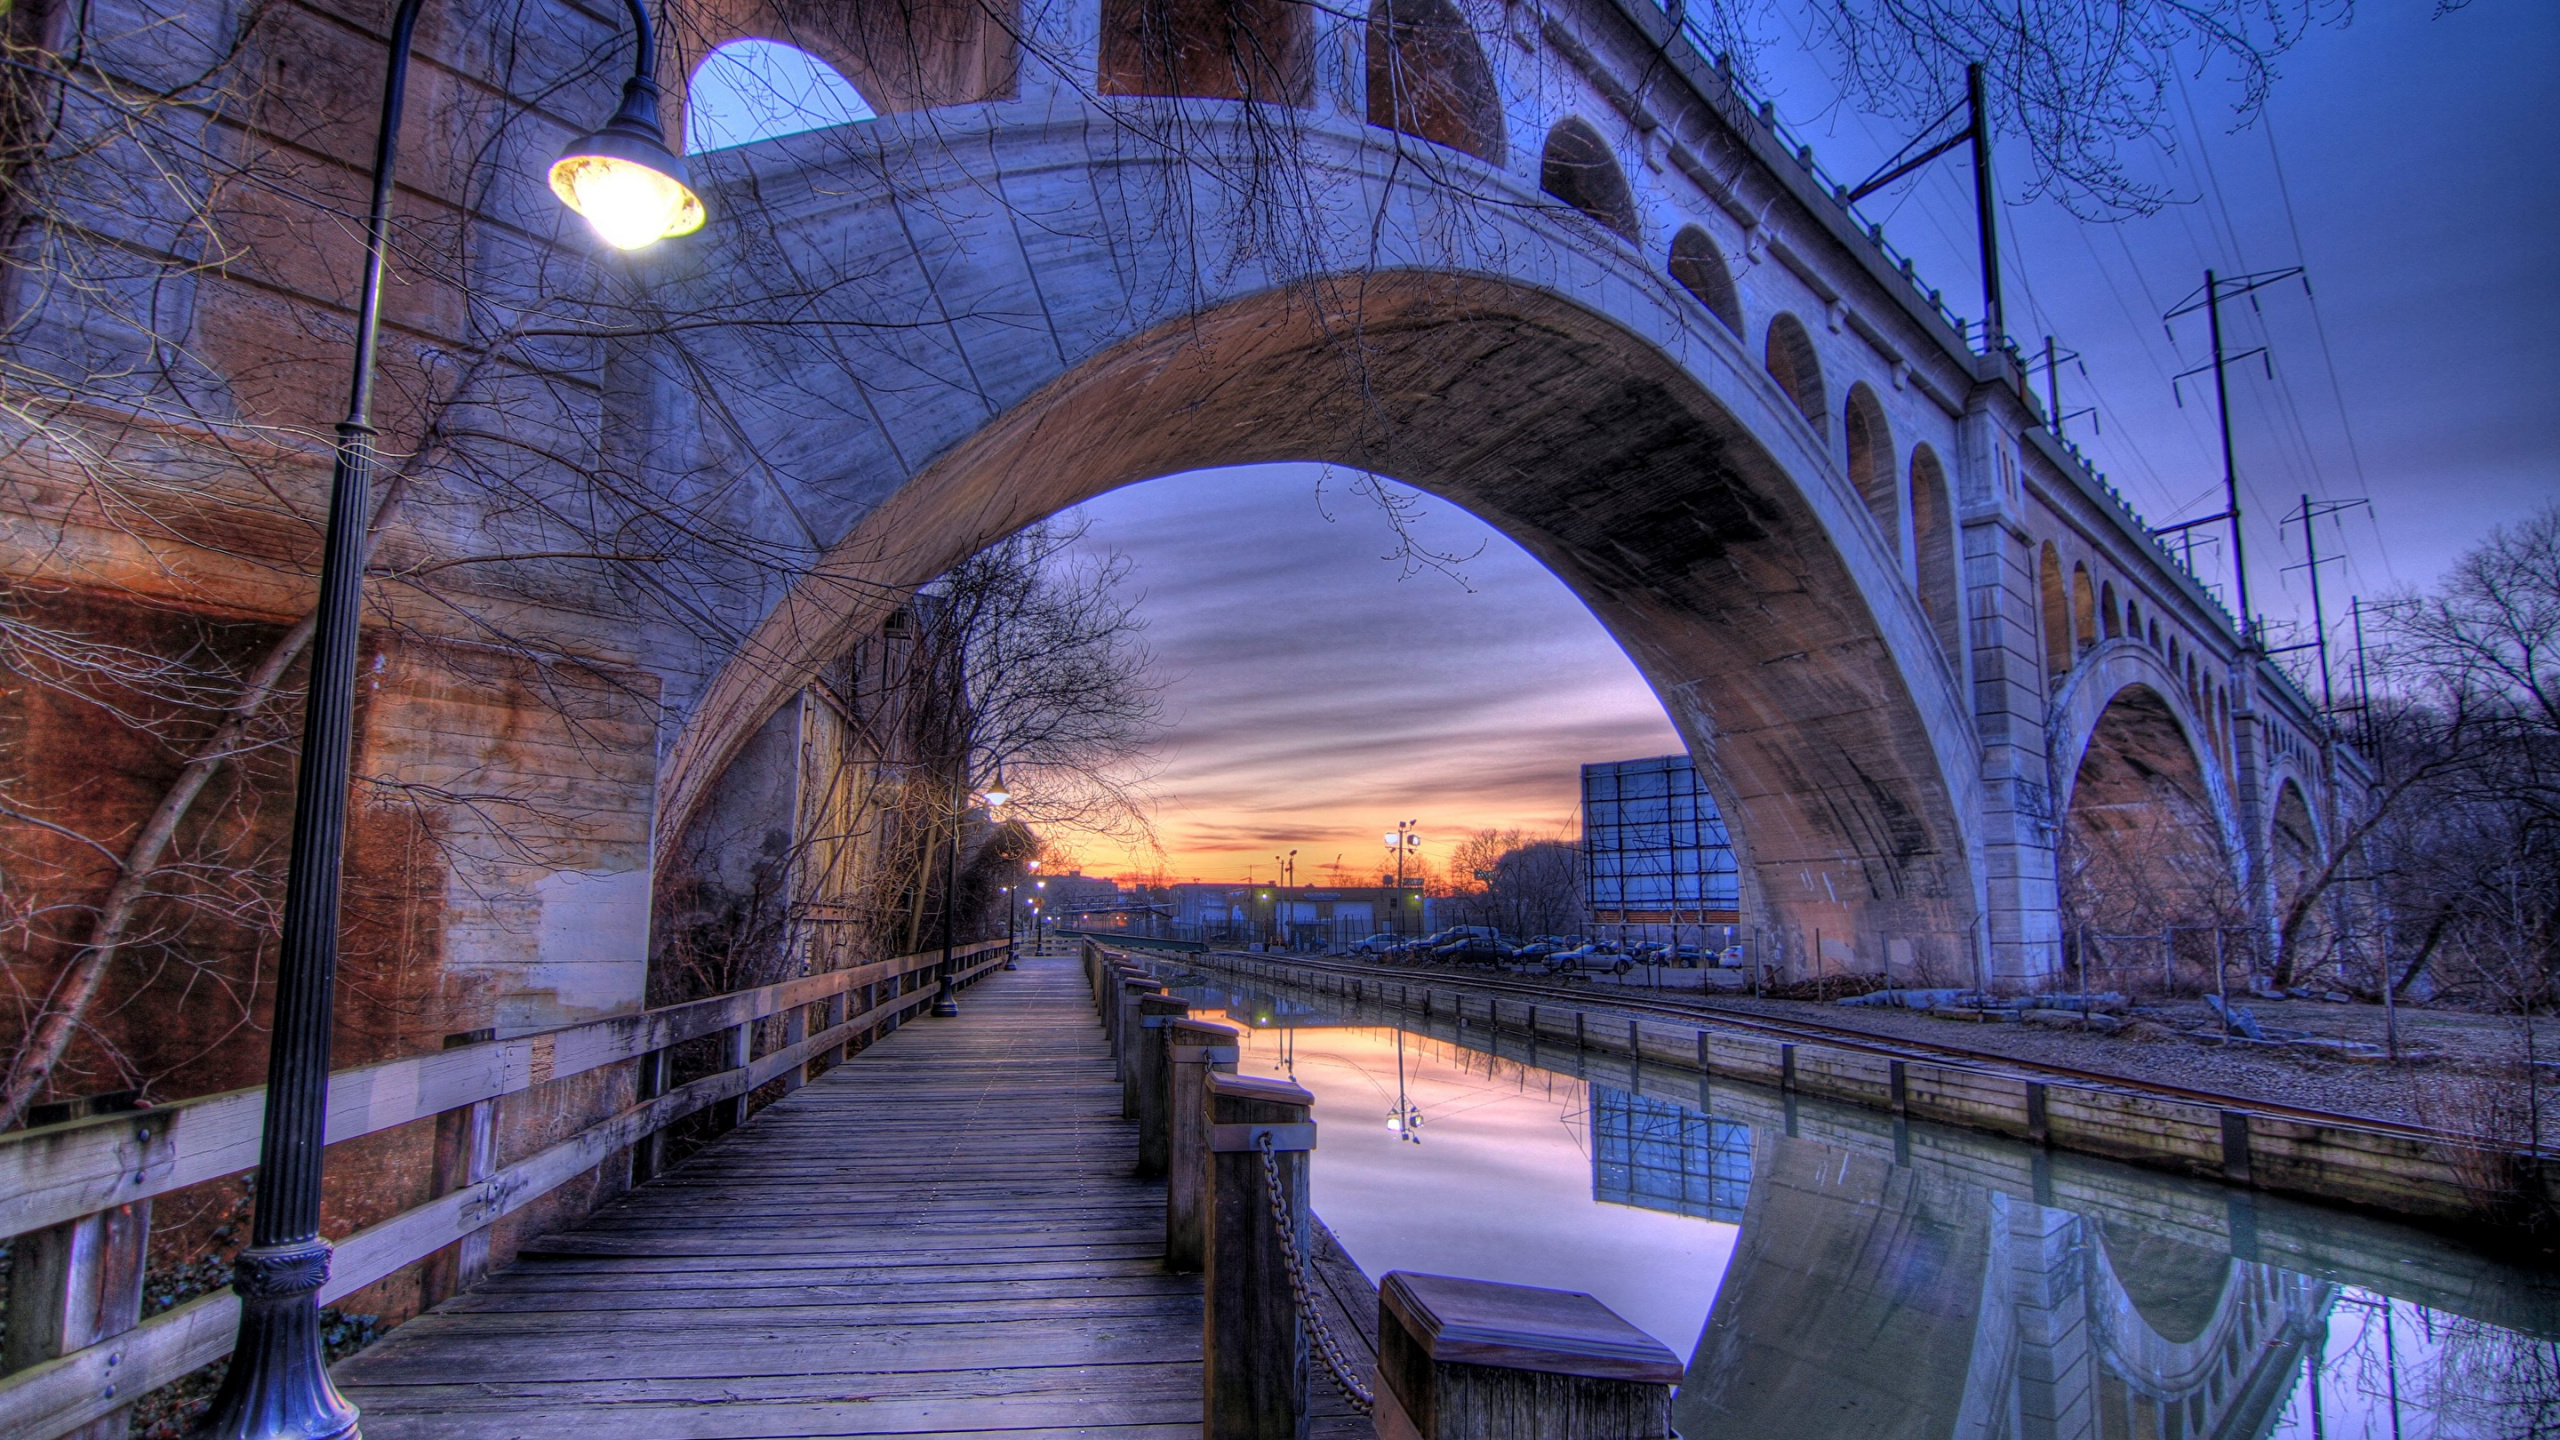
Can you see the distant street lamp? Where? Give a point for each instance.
(1406, 840)
(633, 191)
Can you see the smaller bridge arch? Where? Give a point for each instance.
(1869, 440)
(1578, 168)
(1797, 367)
(899, 58)
(1428, 78)
(1209, 49)
(2056, 602)
(752, 89)
(1698, 263)
(1933, 546)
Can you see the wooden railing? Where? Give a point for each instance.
(63, 1186)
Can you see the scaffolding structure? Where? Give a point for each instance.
(1656, 855)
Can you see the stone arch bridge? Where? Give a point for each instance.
(1552, 268)
(1543, 260)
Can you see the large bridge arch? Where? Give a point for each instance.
(2151, 834)
(1732, 560)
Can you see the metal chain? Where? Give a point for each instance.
(1337, 1365)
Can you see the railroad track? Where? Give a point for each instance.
(1834, 1036)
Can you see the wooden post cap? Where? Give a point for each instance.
(1522, 1327)
(1255, 1087)
(1189, 1030)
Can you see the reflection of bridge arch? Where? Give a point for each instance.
(1872, 1301)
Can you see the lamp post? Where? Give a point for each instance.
(633, 191)
(1405, 840)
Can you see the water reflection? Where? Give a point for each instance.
(1833, 1274)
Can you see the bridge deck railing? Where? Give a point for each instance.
(76, 1194)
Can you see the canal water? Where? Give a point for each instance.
(1825, 1271)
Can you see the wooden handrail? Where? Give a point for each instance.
(63, 1171)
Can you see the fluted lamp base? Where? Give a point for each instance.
(278, 1385)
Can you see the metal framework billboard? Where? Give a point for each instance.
(1655, 849)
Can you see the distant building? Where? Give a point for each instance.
(1656, 853)
(1299, 917)
(1075, 893)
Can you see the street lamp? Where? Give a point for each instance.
(946, 996)
(1405, 840)
(633, 190)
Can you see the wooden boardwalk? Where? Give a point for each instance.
(939, 1238)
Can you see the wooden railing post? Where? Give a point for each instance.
(737, 1047)
(1195, 1049)
(838, 1007)
(795, 1028)
(74, 1284)
(466, 1154)
(1153, 1069)
(1253, 1344)
(1131, 992)
(648, 1153)
(1458, 1359)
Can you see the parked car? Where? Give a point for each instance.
(1471, 947)
(1380, 944)
(1589, 959)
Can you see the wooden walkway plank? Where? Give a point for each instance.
(939, 1238)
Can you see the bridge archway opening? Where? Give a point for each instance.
(1698, 264)
(2056, 601)
(2293, 856)
(1792, 361)
(897, 58)
(750, 90)
(2084, 609)
(1428, 77)
(1870, 457)
(1209, 49)
(1933, 544)
(2143, 850)
(1578, 168)
(1832, 756)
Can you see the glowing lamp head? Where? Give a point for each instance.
(633, 190)
(997, 795)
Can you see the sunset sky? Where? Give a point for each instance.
(1319, 694)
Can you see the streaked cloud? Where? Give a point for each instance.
(1320, 690)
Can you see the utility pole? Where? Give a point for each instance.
(2312, 560)
(2054, 358)
(2364, 690)
(1986, 210)
(2230, 471)
(1986, 196)
(2216, 290)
